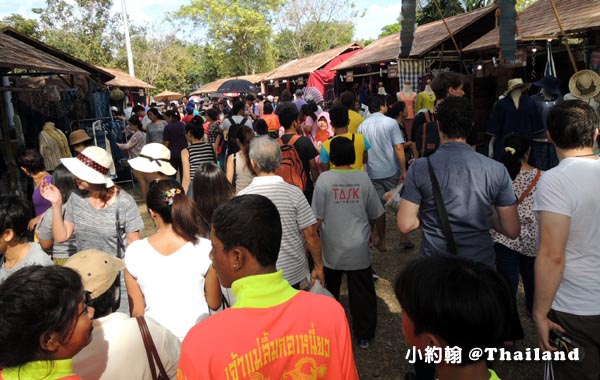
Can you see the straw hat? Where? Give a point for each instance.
(78, 136)
(515, 83)
(98, 270)
(91, 165)
(585, 84)
(153, 158)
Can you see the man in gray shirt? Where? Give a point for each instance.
(477, 192)
(16, 252)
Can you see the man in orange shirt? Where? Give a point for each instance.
(272, 331)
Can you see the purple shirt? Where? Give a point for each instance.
(40, 204)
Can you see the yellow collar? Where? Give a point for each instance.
(262, 291)
(40, 370)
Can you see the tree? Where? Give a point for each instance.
(83, 28)
(471, 5)
(428, 13)
(390, 29)
(522, 4)
(315, 26)
(241, 29)
(24, 25)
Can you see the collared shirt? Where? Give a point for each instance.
(383, 134)
(266, 334)
(471, 185)
(41, 370)
(295, 214)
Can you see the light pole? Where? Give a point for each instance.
(127, 41)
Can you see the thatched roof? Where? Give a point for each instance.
(34, 44)
(427, 37)
(309, 64)
(18, 55)
(213, 86)
(537, 22)
(124, 80)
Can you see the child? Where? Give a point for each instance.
(450, 302)
(44, 322)
(16, 251)
(324, 131)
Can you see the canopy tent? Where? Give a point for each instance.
(324, 77)
(167, 96)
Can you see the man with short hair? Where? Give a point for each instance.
(567, 284)
(117, 349)
(272, 331)
(339, 117)
(139, 111)
(347, 99)
(250, 109)
(386, 165)
(235, 120)
(288, 119)
(297, 218)
(298, 99)
(477, 192)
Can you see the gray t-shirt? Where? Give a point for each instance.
(44, 231)
(155, 131)
(471, 185)
(346, 200)
(35, 256)
(96, 228)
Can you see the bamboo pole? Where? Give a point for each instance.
(437, 5)
(562, 32)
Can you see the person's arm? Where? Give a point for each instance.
(549, 269)
(185, 168)
(212, 289)
(61, 229)
(313, 241)
(46, 245)
(365, 157)
(133, 236)
(229, 169)
(400, 155)
(506, 221)
(314, 170)
(137, 304)
(133, 141)
(166, 143)
(407, 218)
(217, 143)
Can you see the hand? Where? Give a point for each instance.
(401, 178)
(543, 327)
(33, 222)
(372, 240)
(318, 273)
(51, 193)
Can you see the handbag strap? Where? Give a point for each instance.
(119, 228)
(531, 186)
(441, 209)
(151, 353)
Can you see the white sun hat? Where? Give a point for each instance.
(153, 158)
(92, 165)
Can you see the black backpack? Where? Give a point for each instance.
(427, 137)
(232, 146)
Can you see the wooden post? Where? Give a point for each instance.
(437, 5)
(562, 32)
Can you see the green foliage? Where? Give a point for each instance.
(522, 4)
(83, 28)
(24, 25)
(471, 5)
(239, 29)
(428, 13)
(390, 29)
(313, 27)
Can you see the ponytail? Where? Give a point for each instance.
(516, 146)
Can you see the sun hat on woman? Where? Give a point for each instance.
(92, 165)
(153, 158)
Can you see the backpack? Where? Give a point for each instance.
(429, 138)
(291, 168)
(232, 146)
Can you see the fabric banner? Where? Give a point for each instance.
(549, 70)
(408, 16)
(412, 70)
(507, 25)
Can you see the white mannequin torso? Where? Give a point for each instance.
(516, 96)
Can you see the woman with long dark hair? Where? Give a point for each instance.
(239, 170)
(169, 275)
(196, 153)
(31, 163)
(156, 128)
(211, 189)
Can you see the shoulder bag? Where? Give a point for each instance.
(441, 209)
(153, 357)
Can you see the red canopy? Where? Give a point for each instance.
(322, 77)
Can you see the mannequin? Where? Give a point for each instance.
(426, 98)
(543, 154)
(381, 89)
(53, 145)
(408, 96)
(515, 113)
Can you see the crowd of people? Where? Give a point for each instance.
(259, 204)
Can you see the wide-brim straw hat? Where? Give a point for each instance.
(515, 83)
(153, 158)
(585, 84)
(92, 165)
(78, 136)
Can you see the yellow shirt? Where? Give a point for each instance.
(355, 120)
(361, 145)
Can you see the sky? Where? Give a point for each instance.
(378, 13)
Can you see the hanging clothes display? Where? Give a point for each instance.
(425, 100)
(53, 146)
